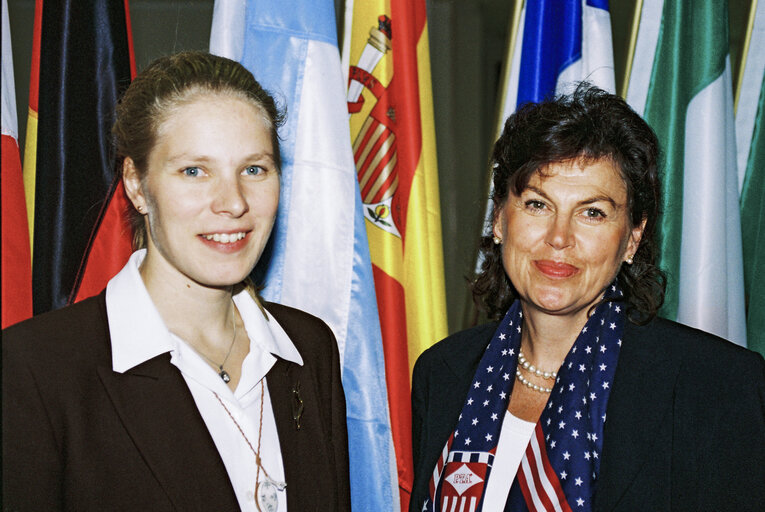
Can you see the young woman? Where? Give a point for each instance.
(176, 388)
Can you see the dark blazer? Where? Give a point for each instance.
(78, 436)
(685, 428)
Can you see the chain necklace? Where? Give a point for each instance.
(223, 374)
(266, 498)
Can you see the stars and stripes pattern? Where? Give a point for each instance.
(561, 463)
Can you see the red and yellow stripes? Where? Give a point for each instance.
(30, 146)
(393, 136)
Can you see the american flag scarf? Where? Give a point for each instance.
(560, 467)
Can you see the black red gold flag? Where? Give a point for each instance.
(85, 61)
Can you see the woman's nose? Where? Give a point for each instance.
(230, 198)
(560, 234)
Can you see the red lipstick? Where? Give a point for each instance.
(556, 269)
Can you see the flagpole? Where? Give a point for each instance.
(631, 47)
(739, 79)
(512, 36)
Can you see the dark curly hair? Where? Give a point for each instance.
(169, 82)
(587, 125)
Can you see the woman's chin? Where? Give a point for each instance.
(552, 302)
(221, 278)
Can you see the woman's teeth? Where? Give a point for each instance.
(226, 238)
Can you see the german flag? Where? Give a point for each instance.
(82, 60)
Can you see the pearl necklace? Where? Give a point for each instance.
(532, 369)
(523, 362)
(531, 385)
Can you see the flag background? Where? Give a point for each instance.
(391, 106)
(681, 83)
(753, 231)
(467, 42)
(319, 258)
(16, 260)
(557, 43)
(82, 63)
(750, 145)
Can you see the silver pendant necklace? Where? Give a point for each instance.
(223, 374)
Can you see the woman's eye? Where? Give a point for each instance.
(594, 213)
(254, 170)
(192, 171)
(535, 205)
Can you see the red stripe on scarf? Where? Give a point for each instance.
(531, 481)
(550, 471)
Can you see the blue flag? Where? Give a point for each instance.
(558, 43)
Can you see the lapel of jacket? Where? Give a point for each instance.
(636, 408)
(159, 413)
(283, 379)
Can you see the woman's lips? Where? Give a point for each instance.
(556, 268)
(226, 242)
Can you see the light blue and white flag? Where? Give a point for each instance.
(320, 256)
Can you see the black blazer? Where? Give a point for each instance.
(685, 428)
(78, 436)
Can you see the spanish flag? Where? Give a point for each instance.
(393, 137)
(82, 60)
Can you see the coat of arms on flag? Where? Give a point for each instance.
(374, 147)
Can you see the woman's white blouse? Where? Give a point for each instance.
(139, 334)
(513, 440)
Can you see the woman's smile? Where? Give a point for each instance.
(566, 235)
(211, 190)
(555, 269)
(226, 242)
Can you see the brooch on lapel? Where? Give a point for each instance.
(297, 405)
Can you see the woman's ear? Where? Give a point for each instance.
(132, 182)
(497, 227)
(635, 236)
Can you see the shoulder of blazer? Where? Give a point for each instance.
(691, 349)
(75, 332)
(672, 383)
(460, 352)
(310, 334)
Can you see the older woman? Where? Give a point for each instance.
(176, 388)
(580, 398)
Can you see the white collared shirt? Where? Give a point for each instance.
(139, 334)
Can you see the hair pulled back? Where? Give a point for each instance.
(166, 84)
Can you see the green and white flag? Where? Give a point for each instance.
(681, 84)
(750, 141)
